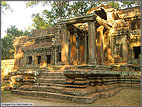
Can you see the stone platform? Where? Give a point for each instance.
(80, 84)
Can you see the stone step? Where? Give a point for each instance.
(44, 80)
(28, 80)
(53, 89)
(79, 91)
(88, 90)
(40, 80)
(54, 71)
(62, 76)
(78, 99)
(51, 84)
(75, 86)
(80, 82)
(130, 85)
(52, 74)
(110, 93)
(53, 81)
(86, 99)
(26, 87)
(61, 85)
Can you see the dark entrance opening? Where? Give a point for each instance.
(38, 59)
(59, 56)
(48, 59)
(137, 51)
(29, 61)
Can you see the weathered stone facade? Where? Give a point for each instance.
(83, 59)
(102, 36)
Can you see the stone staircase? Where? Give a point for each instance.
(54, 84)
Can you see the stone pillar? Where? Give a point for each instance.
(52, 57)
(24, 59)
(77, 46)
(130, 52)
(113, 46)
(65, 45)
(100, 42)
(73, 53)
(55, 55)
(124, 49)
(85, 49)
(92, 42)
(33, 60)
(44, 62)
(81, 50)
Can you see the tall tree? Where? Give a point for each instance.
(64, 9)
(39, 22)
(6, 42)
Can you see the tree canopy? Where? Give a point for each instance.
(5, 6)
(6, 42)
(64, 9)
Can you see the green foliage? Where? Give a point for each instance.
(5, 6)
(114, 4)
(64, 9)
(34, 3)
(6, 45)
(6, 42)
(39, 22)
(129, 4)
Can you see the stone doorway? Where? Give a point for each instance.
(48, 59)
(137, 51)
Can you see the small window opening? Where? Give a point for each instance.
(137, 51)
(59, 56)
(29, 60)
(48, 59)
(38, 59)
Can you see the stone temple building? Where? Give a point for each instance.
(102, 36)
(83, 59)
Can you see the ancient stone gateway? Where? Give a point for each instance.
(83, 59)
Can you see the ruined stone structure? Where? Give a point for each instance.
(116, 39)
(84, 58)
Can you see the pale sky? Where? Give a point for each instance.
(20, 17)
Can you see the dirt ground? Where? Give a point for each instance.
(126, 97)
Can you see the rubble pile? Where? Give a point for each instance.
(6, 67)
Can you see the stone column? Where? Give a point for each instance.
(85, 49)
(81, 49)
(92, 42)
(124, 49)
(55, 55)
(77, 46)
(24, 59)
(65, 45)
(100, 44)
(33, 60)
(130, 53)
(73, 53)
(52, 57)
(44, 62)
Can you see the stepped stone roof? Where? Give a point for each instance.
(44, 32)
(20, 40)
(37, 46)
